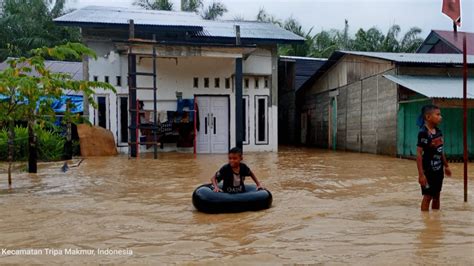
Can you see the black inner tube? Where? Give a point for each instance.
(208, 201)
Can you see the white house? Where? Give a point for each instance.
(229, 68)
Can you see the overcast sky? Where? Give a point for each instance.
(328, 14)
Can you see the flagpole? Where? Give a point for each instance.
(464, 52)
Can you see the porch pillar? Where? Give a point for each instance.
(132, 93)
(132, 103)
(239, 121)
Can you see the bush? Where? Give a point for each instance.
(50, 144)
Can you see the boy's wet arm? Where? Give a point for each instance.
(419, 160)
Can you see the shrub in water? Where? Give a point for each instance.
(50, 144)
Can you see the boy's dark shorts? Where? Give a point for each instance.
(435, 181)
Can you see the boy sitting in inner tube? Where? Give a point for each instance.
(233, 174)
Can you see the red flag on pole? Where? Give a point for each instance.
(452, 9)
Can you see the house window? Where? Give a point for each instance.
(123, 118)
(245, 102)
(217, 82)
(261, 123)
(246, 83)
(106, 79)
(118, 81)
(195, 82)
(206, 82)
(96, 78)
(227, 83)
(266, 83)
(256, 83)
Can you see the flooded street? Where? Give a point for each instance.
(329, 207)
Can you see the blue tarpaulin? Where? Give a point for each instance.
(59, 106)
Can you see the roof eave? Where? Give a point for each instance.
(250, 41)
(121, 25)
(207, 39)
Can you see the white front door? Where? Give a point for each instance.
(213, 130)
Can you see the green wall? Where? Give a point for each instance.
(407, 130)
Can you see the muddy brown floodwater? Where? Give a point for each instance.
(329, 207)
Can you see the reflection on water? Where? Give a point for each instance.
(431, 234)
(328, 207)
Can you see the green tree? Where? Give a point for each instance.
(214, 11)
(191, 5)
(390, 42)
(375, 40)
(411, 40)
(263, 16)
(371, 40)
(324, 44)
(28, 88)
(28, 24)
(154, 4)
(304, 49)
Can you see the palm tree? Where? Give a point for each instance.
(325, 44)
(263, 16)
(390, 42)
(191, 5)
(28, 24)
(375, 40)
(371, 40)
(305, 49)
(214, 11)
(154, 4)
(411, 41)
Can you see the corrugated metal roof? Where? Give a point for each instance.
(72, 68)
(450, 39)
(401, 58)
(93, 15)
(435, 86)
(248, 30)
(416, 58)
(121, 15)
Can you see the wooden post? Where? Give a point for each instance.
(11, 148)
(195, 127)
(131, 29)
(155, 112)
(132, 81)
(32, 142)
(465, 115)
(239, 121)
(68, 143)
(137, 135)
(237, 35)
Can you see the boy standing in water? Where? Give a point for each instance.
(431, 161)
(234, 174)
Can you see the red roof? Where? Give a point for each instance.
(448, 36)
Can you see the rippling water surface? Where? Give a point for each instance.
(329, 207)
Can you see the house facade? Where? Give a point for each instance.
(212, 84)
(369, 101)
